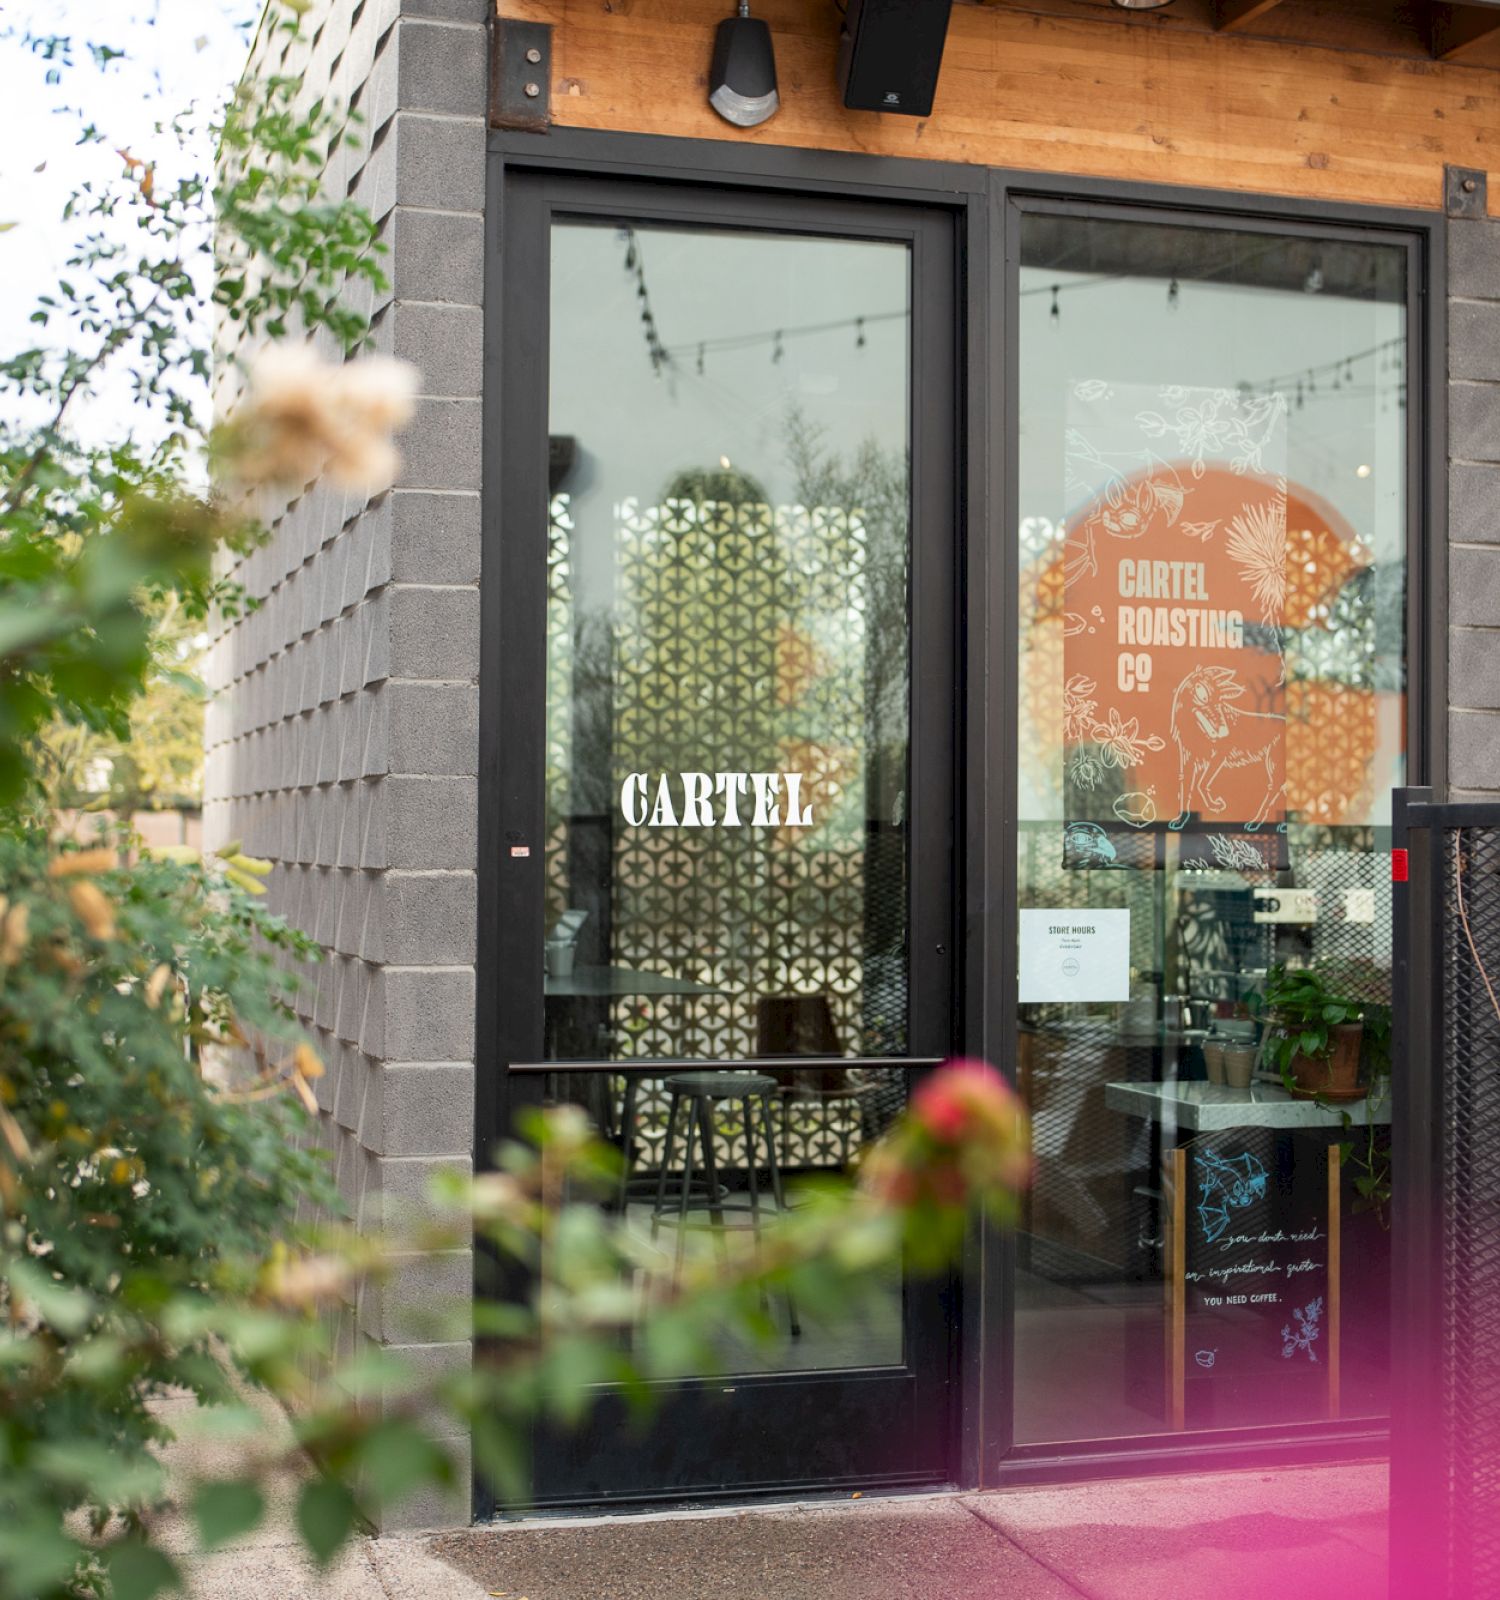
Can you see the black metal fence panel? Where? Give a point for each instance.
(1445, 1426)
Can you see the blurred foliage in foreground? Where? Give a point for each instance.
(154, 1088)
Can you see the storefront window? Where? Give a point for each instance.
(1211, 694)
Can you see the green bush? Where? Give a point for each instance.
(139, 1201)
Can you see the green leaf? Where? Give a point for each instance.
(225, 1509)
(325, 1517)
(396, 1457)
(104, 1475)
(67, 1310)
(36, 1556)
(139, 1572)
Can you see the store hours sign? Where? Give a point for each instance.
(1174, 588)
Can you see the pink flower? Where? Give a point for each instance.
(963, 1097)
(964, 1139)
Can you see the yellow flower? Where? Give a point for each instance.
(83, 861)
(306, 1062)
(13, 934)
(94, 909)
(156, 983)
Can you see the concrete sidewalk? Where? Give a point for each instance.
(1306, 1533)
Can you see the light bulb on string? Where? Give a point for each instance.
(859, 333)
(1056, 311)
(1173, 290)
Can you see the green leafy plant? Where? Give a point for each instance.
(134, 1197)
(1301, 1007)
(1301, 1012)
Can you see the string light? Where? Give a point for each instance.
(635, 265)
(1339, 368)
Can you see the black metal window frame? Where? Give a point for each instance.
(987, 205)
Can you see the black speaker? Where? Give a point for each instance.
(890, 53)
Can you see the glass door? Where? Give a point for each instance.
(726, 770)
(1214, 505)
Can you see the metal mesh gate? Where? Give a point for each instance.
(1445, 1445)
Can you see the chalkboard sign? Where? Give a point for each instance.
(1252, 1279)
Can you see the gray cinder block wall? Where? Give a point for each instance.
(1474, 508)
(343, 737)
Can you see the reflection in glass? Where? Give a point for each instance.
(710, 1158)
(1211, 690)
(727, 721)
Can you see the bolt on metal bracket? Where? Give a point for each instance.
(520, 75)
(1464, 192)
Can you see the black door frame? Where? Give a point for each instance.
(986, 205)
(909, 1403)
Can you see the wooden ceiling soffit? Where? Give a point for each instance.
(1457, 30)
(1230, 16)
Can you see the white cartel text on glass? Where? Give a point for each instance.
(714, 800)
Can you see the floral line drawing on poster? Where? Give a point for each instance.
(1211, 424)
(1306, 1333)
(1175, 584)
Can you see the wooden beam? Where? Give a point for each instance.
(1232, 15)
(1456, 30)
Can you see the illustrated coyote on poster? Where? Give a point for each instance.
(1175, 585)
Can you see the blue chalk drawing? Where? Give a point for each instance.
(1308, 1330)
(1225, 1184)
(1205, 1358)
(1086, 844)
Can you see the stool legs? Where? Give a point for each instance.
(668, 1147)
(711, 1175)
(774, 1164)
(750, 1168)
(627, 1138)
(699, 1140)
(687, 1186)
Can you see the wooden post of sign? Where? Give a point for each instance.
(1335, 1254)
(1174, 1241)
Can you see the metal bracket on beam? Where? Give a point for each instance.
(1464, 192)
(520, 75)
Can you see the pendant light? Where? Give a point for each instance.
(742, 79)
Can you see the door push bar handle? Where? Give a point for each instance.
(658, 1068)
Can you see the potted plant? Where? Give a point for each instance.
(1313, 1034)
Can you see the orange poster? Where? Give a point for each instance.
(1175, 588)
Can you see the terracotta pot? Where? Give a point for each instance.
(1334, 1075)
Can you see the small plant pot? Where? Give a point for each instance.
(1334, 1075)
(1239, 1065)
(1213, 1059)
